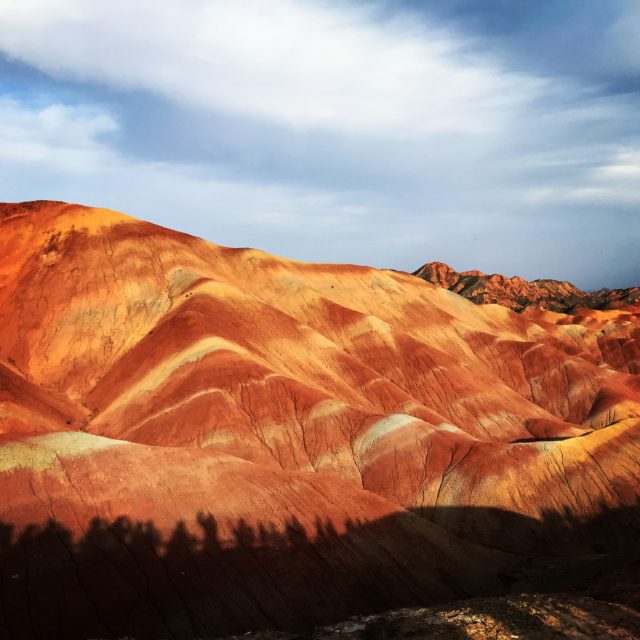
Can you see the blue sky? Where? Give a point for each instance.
(501, 135)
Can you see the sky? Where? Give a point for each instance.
(500, 135)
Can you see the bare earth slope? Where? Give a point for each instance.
(519, 294)
(198, 441)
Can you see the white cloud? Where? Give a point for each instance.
(625, 165)
(66, 136)
(615, 181)
(293, 62)
(319, 130)
(67, 148)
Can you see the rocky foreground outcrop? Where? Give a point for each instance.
(604, 608)
(197, 441)
(519, 294)
(529, 617)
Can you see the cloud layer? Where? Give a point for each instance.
(327, 131)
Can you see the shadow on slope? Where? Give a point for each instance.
(124, 578)
(555, 534)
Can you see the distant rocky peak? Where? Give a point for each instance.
(520, 294)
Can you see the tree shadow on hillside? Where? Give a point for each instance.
(124, 578)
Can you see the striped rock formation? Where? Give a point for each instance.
(197, 440)
(519, 294)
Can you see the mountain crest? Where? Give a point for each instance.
(519, 294)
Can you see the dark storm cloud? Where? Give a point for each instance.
(591, 39)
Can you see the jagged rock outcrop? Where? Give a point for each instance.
(197, 440)
(519, 294)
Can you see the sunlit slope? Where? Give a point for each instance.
(373, 377)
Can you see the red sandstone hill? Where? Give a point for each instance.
(519, 294)
(197, 440)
